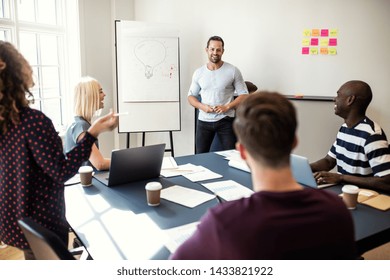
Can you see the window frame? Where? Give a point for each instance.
(67, 33)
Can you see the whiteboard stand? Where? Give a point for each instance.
(143, 142)
(148, 78)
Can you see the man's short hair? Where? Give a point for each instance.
(215, 38)
(266, 124)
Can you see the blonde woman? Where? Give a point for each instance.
(88, 99)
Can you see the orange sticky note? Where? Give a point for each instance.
(315, 32)
(324, 51)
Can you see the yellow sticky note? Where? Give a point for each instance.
(306, 42)
(315, 32)
(324, 51)
(333, 32)
(324, 42)
(314, 51)
(332, 51)
(306, 33)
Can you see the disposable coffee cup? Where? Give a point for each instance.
(85, 173)
(350, 196)
(153, 191)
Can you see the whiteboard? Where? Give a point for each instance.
(148, 76)
(265, 40)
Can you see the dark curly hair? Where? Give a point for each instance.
(15, 82)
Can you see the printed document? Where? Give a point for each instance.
(179, 170)
(177, 235)
(228, 190)
(201, 174)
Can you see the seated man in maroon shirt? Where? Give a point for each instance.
(281, 220)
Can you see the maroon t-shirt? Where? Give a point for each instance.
(304, 224)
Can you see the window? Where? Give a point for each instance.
(40, 30)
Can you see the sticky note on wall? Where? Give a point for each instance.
(332, 51)
(306, 42)
(314, 51)
(332, 41)
(324, 32)
(333, 32)
(305, 50)
(306, 33)
(315, 32)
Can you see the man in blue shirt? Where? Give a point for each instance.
(212, 91)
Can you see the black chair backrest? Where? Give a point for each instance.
(45, 244)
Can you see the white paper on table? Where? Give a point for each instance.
(228, 190)
(185, 196)
(229, 153)
(180, 170)
(202, 174)
(178, 235)
(239, 164)
(74, 180)
(168, 163)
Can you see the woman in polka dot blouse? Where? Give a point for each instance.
(33, 168)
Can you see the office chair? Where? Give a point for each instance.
(45, 244)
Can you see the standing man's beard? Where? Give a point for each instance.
(215, 58)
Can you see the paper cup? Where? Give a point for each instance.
(153, 191)
(350, 196)
(86, 175)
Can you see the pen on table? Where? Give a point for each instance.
(179, 170)
(121, 114)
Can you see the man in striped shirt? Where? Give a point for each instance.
(361, 151)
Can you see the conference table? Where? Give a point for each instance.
(115, 223)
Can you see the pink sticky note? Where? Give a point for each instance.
(314, 41)
(305, 50)
(333, 42)
(324, 32)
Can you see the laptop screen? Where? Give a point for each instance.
(302, 171)
(133, 164)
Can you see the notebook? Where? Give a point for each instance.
(134, 164)
(302, 172)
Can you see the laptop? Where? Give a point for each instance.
(134, 164)
(302, 172)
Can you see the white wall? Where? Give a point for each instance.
(260, 38)
(98, 52)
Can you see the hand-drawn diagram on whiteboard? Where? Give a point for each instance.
(150, 53)
(151, 66)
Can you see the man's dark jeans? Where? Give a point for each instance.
(205, 132)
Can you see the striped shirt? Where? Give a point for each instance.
(361, 150)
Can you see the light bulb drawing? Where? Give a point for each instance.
(150, 53)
